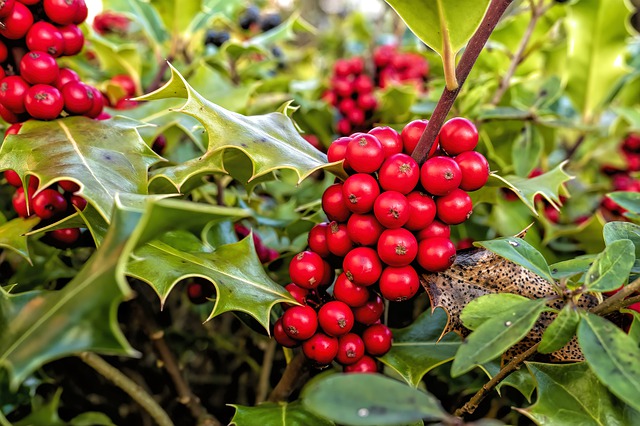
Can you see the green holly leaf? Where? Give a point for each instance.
(614, 231)
(597, 40)
(280, 414)
(479, 310)
(497, 335)
(613, 356)
(420, 347)
(103, 157)
(520, 252)
(270, 141)
(355, 399)
(12, 235)
(628, 200)
(177, 15)
(527, 149)
(560, 331)
(571, 394)
(611, 268)
(521, 380)
(42, 326)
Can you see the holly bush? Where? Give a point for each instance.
(220, 212)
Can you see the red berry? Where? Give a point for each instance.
(464, 243)
(422, 211)
(365, 153)
(367, 101)
(338, 150)
(440, 175)
(343, 127)
(320, 348)
(350, 349)
(398, 284)
(370, 312)
(360, 192)
(78, 201)
(14, 129)
(346, 106)
(399, 172)
(13, 178)
(356, 116)
(434, 229)
(6, 7)
(349, 293)
(458, 135)
(377, 339)
(366, 364)
(334, 203)
(342, 68)
(298, 293)
(43, 102)
(81, 13)
(342, 87)
(362, 266)
(411, 135)
(48, 203)
(66, 236)
(397, 247)
(391, 209)
(363, 84)
(17, 24)
(317, 239)
(281, 337)
(338, 239)
(329, 275)
(364, 230)
(66, 75)
(20, 203)
(455, 207)
(73, 39)
(436, 254)
(200, 291)
(39, 68)
(127, 84)
(61, 12)
(474, 168)
(300, 322)
(336, 318)
(45, 37)
(69, 186)
(98, 105)
(78, 98)
(13, 90)
(389, 138)
(307, 269)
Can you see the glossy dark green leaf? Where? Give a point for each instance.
(627, 200)
(280, 414)
(479, 310)
(611, 268)
(560, 331)
(369, 399)
(419, 348)
(634, 329)
(526, 150)
(12, 235)
(521, 379)
(520, 252)
(571, 267)
(571, 394)
(496, 335)
(613, 356)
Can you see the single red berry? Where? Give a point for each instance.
(9, 116)
(364, 230)
(43, 102)
(98, 105)
(338, 150)
(346, 105)
(436, 254)
(367, 101)
(281, 337)
(18, 23)
(349, 293)
(321, 349)
(434, 229)
(126, 82)
(399, 172)
(13, 178)
(391, 209)
(371, 311)
(49, 203)
(342, 68)
(78, 98)
(458, 135)
(342, 87)
(78, 201)
(343, 127)
(356, 116)
(200, 291)
(13, 90)
(317, 239)
(334, 204)
(6, 7)
(300, 322)
(338, 239)
(39, 68)
(422, 211)
(362, 266)
(307, 269)
(398, 284)
(366, 364)
(350, 349)
(397, 247)
(363, 84)
(455, 207)
(356, 65)
(389, 138)
(411, 134)
(66, 236)
(20, 202)
(73, 39)
(336, 318)
(377, 339)
(66, 75)
(81, 13)
(464, 243)
(45, 37)
(475, 170)
(440, 175)
(360, 192)
(365, 153)
(69, 186)
(298, 293)
(61, 12)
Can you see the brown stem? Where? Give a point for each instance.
(265, 371)
(575, 146)
(494, 13)
(159, 78)
(618, 300)
(290, 378)
(513, 365)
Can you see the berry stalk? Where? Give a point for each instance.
(494, 13)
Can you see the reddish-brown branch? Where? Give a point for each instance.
(290, 379)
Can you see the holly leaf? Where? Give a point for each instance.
(104, 157)
(42, 326)
(280, 414)
(560, 331)
(597, 37)
(613, 356)
(270, 141)
(628, 200)
(526, 150)
(572, 394)
(520, 252)
(354, 399)
(420, 347)
(12, 235)
(486, 307)
(611, 268)
(521, 379)
(177, 15)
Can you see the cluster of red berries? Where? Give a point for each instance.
(32, 35)
(388, 219)
(622, 179)
(394, 67)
